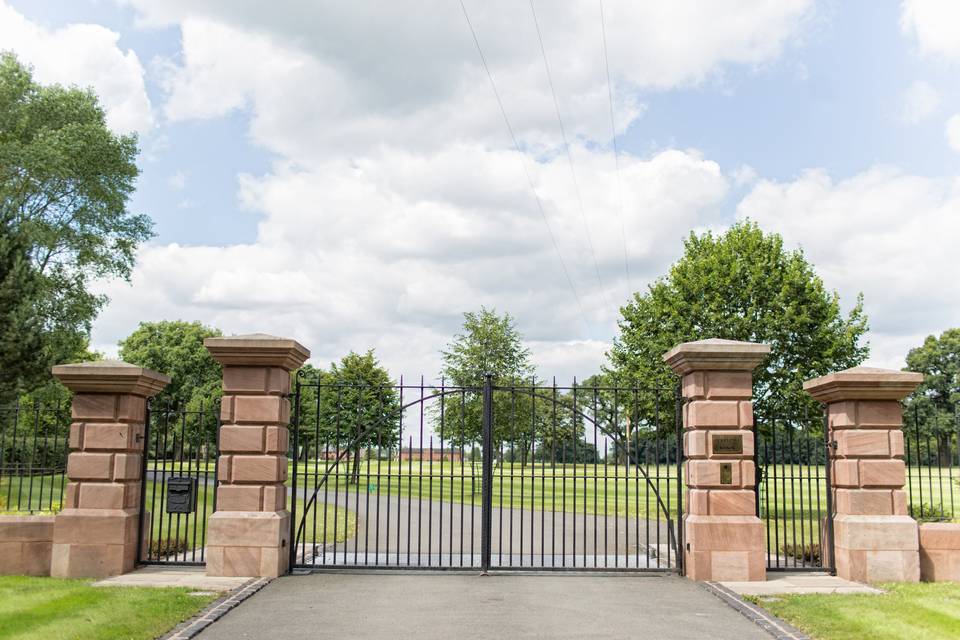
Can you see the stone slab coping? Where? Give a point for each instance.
(257, 350)
(798, 583)
(715, 354)
(173, 576)
(110, 376)
(863, 383)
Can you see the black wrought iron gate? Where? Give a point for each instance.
(498, 476)
(792, 458)
(178, 492)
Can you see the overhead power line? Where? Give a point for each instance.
(526, 170)
(566, 147)
(616, 151)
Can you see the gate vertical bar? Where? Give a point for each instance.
(486, 482)
(143, 482)
(678, 424)
(295, 451)
(828, 453)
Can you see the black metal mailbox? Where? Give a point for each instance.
(181, 494)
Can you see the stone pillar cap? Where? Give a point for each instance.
(715, 354)
(110, 376)
(863, 383)
(257, 350)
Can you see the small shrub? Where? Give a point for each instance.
(929, 513)
(806, 553)
(161, 547)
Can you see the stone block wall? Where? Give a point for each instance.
(723, 537)
(940, 552)
(26, 543)
(249, 535)
(96, 533)
(875, 539)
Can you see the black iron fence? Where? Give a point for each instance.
(932, 450)
(178, 493)
(793, 497)
(499, 476)
(34, 444)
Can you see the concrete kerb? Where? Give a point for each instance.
(758, 615)
(215, 610)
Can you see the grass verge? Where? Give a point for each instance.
(925, 611)
(45, 608)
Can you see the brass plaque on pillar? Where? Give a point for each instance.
(726, 473)
(727, 444)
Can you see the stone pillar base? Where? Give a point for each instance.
(248, 543)
(721, 548)
(94, 543)
(877, 548)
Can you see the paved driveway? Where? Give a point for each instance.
(425, 606)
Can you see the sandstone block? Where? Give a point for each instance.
(242, 439)
(864, 501)
(127, 466)
(861, 443)
(728, 385)
(100, 495)
(258, 469)
(277, 440)
(732, 503)
(94, 406)
(90, 466)
(239, 497)
(879, 413)
(693, 385)
(709, 413)
(882, 473)
(112, 436)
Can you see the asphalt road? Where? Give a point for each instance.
(431, 606)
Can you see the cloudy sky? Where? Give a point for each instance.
(341, 173)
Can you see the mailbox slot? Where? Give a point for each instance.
(181, 494)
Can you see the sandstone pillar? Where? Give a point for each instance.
(723, 537)
(875, 538)
(249, 533)
(96, 532)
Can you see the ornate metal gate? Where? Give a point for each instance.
(499, 476)
(793, 492)
(178, 491)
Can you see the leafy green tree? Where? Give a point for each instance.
(740, 285)
(22, 359)
(65, 181)
(175, 348)
(489, 344)
(358, 407)
(934, 408)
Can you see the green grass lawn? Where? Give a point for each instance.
(907, 611)
(37, 494)
(44, 608)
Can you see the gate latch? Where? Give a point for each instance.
(181, 494)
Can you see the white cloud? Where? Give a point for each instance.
(85, 55)
(389, 251)
(177, 181)
(396, 201)
(935, 24)
(953, 132)
(920, 101)
(877, 232)
(327, 79)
